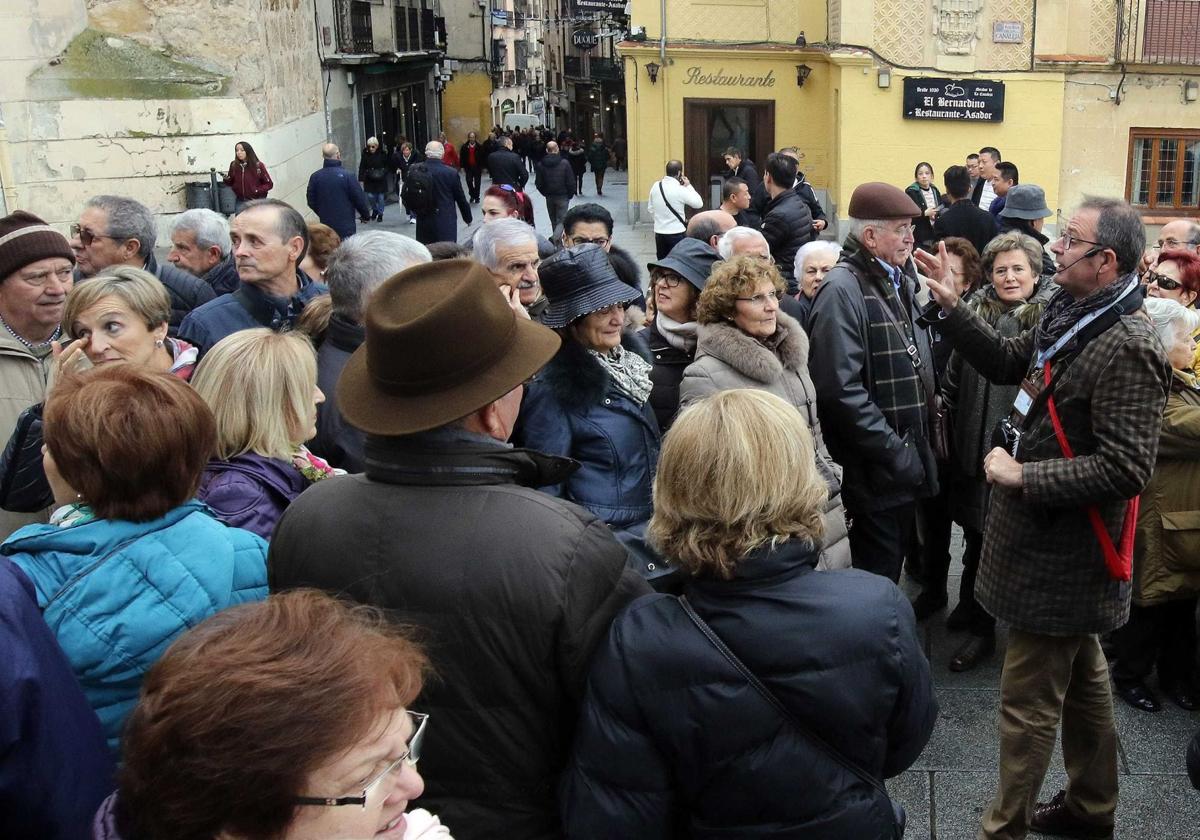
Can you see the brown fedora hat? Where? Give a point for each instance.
(441, 342)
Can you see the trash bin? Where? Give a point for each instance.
(198, 194)
(227, 199)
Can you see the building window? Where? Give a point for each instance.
(1164, 170)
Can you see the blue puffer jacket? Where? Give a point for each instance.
(674, 742)
(117, 593)
(573, 409)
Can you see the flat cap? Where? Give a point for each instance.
(877, 200)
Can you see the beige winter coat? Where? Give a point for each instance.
(727, 358)
(23, 379)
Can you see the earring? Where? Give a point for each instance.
(158, 343)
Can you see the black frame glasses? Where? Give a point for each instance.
(1068, 240)
(411, 756)
(86, 236)
(1164, 282)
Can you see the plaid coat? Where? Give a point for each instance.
(1042, 569)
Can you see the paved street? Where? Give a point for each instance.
(947, 789)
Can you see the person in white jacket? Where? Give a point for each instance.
(668, 200)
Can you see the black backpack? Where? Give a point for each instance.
(417, 192)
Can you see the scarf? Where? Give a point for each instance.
(680, 336)
(312, 467)
(1063, 312)
(629, 372)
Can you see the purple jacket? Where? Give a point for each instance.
(250, 491)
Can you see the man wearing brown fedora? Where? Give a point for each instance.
(872, 366)
(511, 588)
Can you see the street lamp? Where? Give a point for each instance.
(652, 70)
(803, 71)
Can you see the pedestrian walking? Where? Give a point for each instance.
(472, 157)
(597, 157)
(556, 182)
(432, 191)
(372, 174)
(336, 196)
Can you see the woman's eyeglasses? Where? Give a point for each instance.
(761, 300)
(1167, 284)
(410, 757)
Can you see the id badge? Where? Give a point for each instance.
(1030, 387)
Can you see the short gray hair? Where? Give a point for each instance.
(1012, 240)
(1167, 316)
(434, 150)
(362, 262)
(209, 228)
(1120, 228)
(508, 232)
(814, 248)
(733, 235)
(127, 219)
(858, 226)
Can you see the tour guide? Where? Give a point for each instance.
(1057, 543)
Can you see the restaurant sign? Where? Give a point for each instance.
(971, 100)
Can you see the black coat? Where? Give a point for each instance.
(922, 226)
(223, 277)
(375, 163)
(440, 225)
(337, 441)
(673, 742)
(787, 225)
(506, 168)
(555, 177)
(186, 291)
(510, 609)
(669, 363)
(334, 195)
(968, 221)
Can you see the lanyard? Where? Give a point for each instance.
(1045, 355)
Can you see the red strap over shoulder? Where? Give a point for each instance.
(1119, 564)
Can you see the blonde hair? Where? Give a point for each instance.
(140, 290)
(731, 279)
(736, 472)
(259, 385)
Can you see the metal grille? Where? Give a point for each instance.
(1159, 32)
(354, 27)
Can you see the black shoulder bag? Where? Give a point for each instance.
(674, 212)
(897, 809)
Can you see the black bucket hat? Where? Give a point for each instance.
(579, 281)
(691, 259)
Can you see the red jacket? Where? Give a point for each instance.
(450, 158)
(248, 185)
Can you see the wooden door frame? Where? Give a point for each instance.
(694, 159)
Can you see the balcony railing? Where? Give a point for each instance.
(418, 29)
(573, 66)
(1159, 32)
(605, 68)
(354, 27)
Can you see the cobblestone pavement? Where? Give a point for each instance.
(952, 782)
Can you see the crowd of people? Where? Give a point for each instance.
(304, 504)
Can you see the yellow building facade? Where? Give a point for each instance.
(1080, 84)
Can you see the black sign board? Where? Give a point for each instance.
(585, 39)
(971, 100)
(584, 7)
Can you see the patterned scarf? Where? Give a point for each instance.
(312, 467)
(680, 336)
(1064, 311)
(629, 371)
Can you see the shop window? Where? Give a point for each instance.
(1164, 170)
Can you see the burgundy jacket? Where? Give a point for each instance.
(247, 183)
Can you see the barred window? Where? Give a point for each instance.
(1164, 170)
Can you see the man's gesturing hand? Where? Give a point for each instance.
(941, 282)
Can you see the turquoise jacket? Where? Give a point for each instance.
(117, 593)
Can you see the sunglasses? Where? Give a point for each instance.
(1167, 284)
(86, 236)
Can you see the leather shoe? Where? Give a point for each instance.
(1182, 695)
(1139, 697)
(926, 604)
(959, 618)
(1053, 818)
(973, 651)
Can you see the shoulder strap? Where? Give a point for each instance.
(754, 681)
(674, 212)
(910, 347)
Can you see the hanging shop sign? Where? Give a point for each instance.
(970, 100)
(583, 7)
(585, 39)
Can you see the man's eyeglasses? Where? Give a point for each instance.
(905, 230)
(1171, 244)
(583, 240)
(1068, 240)
(410, 757)
(1167, 284)
(62, 275)
(761, 300)
(86, 236)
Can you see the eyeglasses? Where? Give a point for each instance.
(1174, 243)
(62, 275)
(906, 230)
(610, 309)
(761, 300)
(410, 757)
(583, 240)
(668, 280)
(86, 236)
(1068, 240)
(1167, 284)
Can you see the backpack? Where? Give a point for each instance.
(417, 192)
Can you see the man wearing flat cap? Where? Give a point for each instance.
(873, 369)
(36, 264)
(511, 588)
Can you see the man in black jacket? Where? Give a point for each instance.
(506, 167)
(963, 218)
(786, 222)
(556, 182)
(512, 588)
(436, 223)
(471, 158)
(873, 367)
(115, 230)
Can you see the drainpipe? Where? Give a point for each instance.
(662, 37)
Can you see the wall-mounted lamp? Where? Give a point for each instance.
(591, 95)
(803, 71)
(1191, 91)
(884, 79)
(652, 71)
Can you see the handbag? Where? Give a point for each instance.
(376, 173)
(898, 814)
(1118, 563)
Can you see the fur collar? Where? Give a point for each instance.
(576, 378)
(749, 356)
(989, 306)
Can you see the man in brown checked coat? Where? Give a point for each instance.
(1043, 570)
